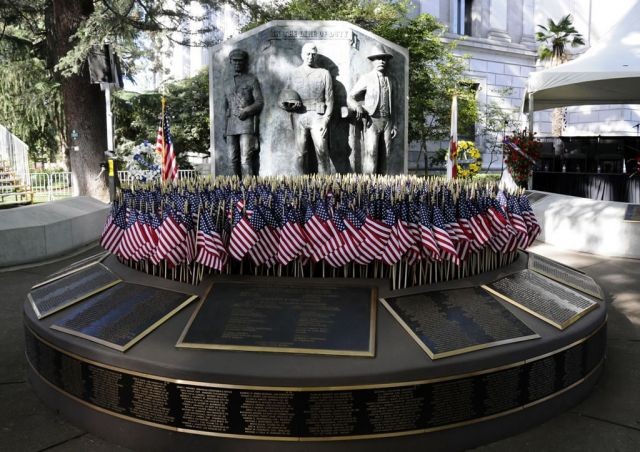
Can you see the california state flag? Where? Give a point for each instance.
(453, 145)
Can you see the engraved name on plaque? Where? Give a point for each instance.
(503, 390)
(330, 413)
(451, 322)
(67, 290)
(105, 388)
(395, 410)
(541, 378)
(150, 401)
(268, 413)
(205, 408)
(451, 402)
(286, 317)
(122, 315)
(542, 297)
(566, 275)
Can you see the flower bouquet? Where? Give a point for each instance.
(521, 150)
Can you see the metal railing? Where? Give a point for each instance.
(15, 152)
(126, 177)
(50, 186)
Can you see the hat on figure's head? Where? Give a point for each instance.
(237, 54)
(379, 51)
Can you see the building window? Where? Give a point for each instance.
(462, 17)
(468, 21)
(468, 130)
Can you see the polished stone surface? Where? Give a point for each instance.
(43, 231)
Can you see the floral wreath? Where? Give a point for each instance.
(468, 159)
(144, 163)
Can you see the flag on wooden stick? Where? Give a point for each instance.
(164, 146)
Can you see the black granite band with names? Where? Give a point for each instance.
(300, 414)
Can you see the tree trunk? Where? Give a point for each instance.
(558, 115)
(83, 103)
(557, 121)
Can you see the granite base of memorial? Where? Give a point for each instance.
(503, 370)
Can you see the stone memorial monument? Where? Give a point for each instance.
(321, 97)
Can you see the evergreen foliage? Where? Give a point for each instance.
(44, 85)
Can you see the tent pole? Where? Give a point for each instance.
(530, 112)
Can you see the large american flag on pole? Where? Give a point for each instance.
(452, 169)
(164, 146)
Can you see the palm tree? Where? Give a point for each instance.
(554, 39)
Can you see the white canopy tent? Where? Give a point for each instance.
(607, 73)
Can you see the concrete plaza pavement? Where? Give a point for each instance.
(607, 420)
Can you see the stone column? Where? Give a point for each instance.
(498, 21)
(454, 17)
(528, 27)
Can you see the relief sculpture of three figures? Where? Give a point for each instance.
(308, 98)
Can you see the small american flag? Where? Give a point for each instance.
(171, 234)
(114, 228)
(266, 247)
(243, 236)
(530, 218)
(396, 246)
(349, 248)
(292, 238)
(517, 221)
(442, 236)
(132, 238)
(429, 244)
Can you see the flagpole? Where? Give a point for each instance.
(163, 102)
(453, 143)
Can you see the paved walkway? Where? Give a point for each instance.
(608, 420)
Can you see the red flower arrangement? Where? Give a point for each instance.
(521, 150)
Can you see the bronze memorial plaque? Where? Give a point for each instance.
(74, 267)
(632, 214)
(566, 275)
(285, 317)
(71, 288)
(122, 315)
(542, 297)
(456, 321)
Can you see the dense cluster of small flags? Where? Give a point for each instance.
(353, 225)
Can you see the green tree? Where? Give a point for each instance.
(59, 34)
(30, 104)
(188, 107)
(435, 73)
(494, 122)
(554, 38)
